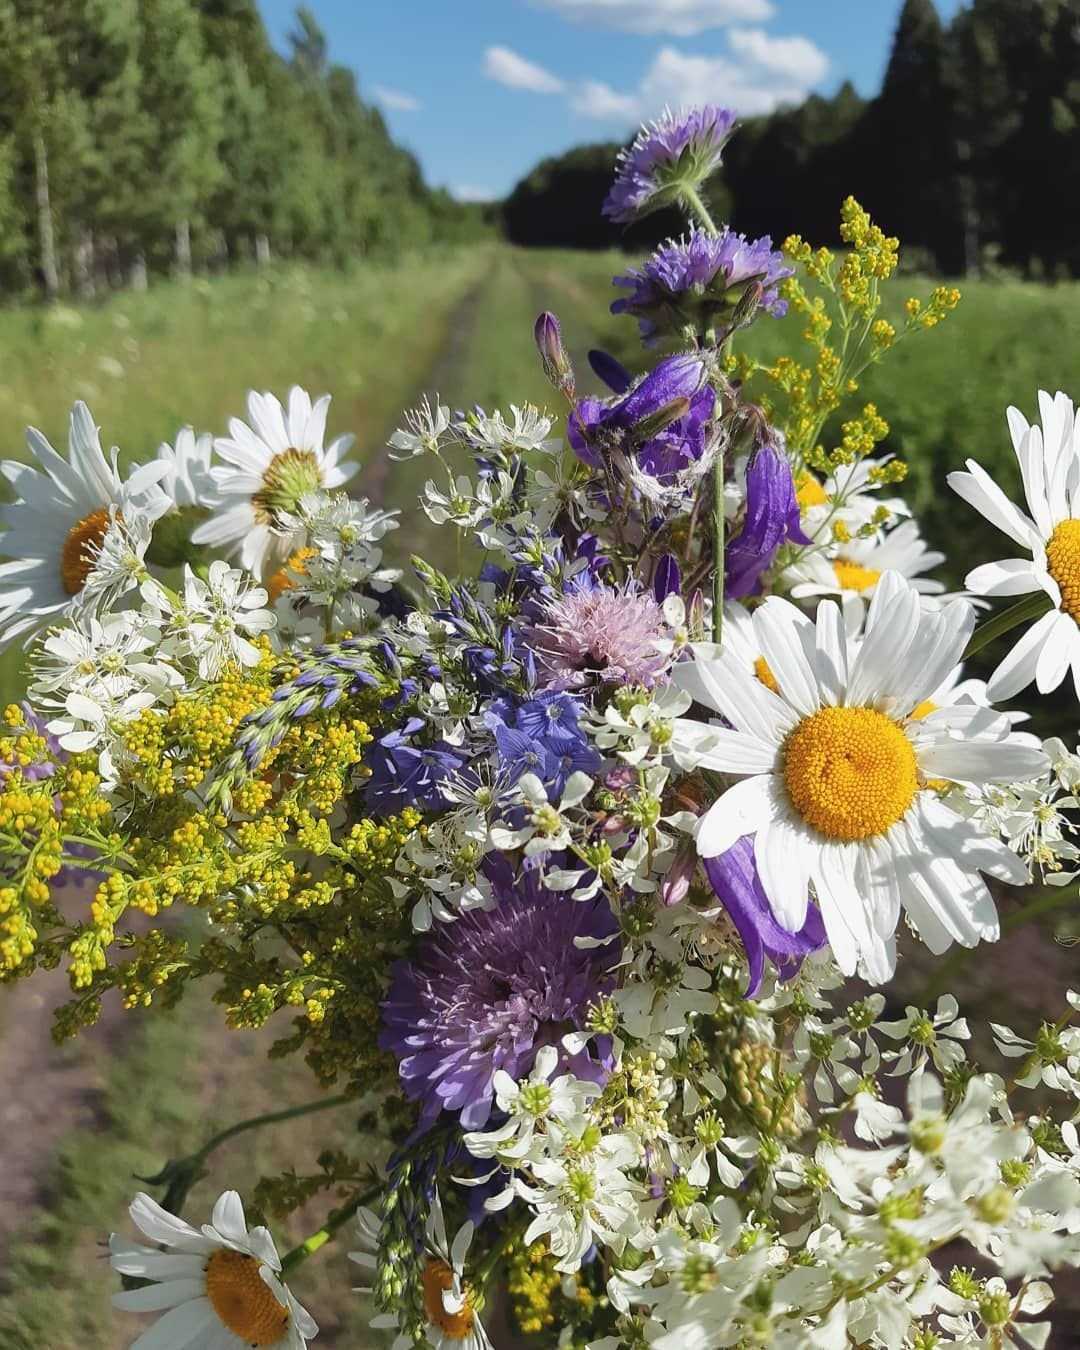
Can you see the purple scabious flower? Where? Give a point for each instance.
(699, 280)
(734, 878)
(677, 150)
(491, 989)
(772, 518)
(606, 635)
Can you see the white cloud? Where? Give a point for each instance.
(598, 100)
(469, 192)
(761, 73)
(677, 18)
(794, 57)
(396, 99)
(507, 67)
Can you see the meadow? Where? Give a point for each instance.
(77, 1124)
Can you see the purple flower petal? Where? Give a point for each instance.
(772, 518)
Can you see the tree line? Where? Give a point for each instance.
(162, 135)
(970, 152)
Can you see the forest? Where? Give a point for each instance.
(153, 136)
(970, 152)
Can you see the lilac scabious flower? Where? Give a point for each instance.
(772, 518)
(488, 991)
(677, 151)
(733, 877)
(699, 280)
(609, 634)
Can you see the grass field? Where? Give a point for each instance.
(460, 323)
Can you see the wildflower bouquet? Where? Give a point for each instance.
(565, 861)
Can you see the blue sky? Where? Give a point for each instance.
(482, 89)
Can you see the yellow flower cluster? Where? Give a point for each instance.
(292, 846)
(839, 300)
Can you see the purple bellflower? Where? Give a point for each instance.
(733, 877)
(488, 991)
(772, 519)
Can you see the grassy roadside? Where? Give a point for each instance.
(180, 1079)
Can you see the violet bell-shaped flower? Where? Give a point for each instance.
(735, 881)
(680, 443)
(771, 519)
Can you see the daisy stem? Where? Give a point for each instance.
(182, 1173)
(718, 547)
(336, 1219)
(1031, 607)
(691, 199)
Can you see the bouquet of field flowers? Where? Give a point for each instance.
(566, 859)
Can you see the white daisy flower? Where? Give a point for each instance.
(54, 528)
(838, 775)
(218, 1286)
(449, 1302)
(269, 467)
(187, 481)
(1049, 459)
(846, 497)
(852, 571)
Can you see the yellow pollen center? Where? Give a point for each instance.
(80, 548)
(437, 1278)
(808, 491)
(764, 673)
(282, 580)
(850, 772)
(1063, 564)
(287, 478)
(921, 710)
(242, 1299)
(852, 576)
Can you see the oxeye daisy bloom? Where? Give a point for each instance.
(271, 462)
(53, 531)
(218, 1286)
(187, 480)
(677, 151)
(839, 767)
(450, 1302)
(851, 571)
(847, 498)
(1049, 459)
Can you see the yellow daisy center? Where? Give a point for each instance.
(437, 1278)
(764, 673)
(282, 580)
(853, 576)
(921, 710)
(288, 477)
(1063, 564)
(80, 548)
(808, 491)
(242, 1299)
(850, 772)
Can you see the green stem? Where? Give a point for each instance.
(1030, 607)
(692, 201)
(182, 1174)
(718, 547)
(336, 1219)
